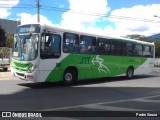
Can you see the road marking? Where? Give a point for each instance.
(148, 97)
(101, 103)
(112, 108)
(147, 100)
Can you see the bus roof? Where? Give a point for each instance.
(58, 28)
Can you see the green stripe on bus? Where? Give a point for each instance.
(21, 66)
(95, 66)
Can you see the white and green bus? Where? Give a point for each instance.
(44, 53)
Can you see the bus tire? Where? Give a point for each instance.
(69, 77)
(130, 72)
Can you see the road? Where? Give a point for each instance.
(142, 93)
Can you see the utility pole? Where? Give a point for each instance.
(38, 11)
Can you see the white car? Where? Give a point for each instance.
(4, 63)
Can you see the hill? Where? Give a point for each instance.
(155, 36)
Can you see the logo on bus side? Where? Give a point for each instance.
(97, 59)
(85, 60)
(102, 67)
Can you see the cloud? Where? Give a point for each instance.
(136, 20)
(81, 13)
(4, 13)
(5, 7)
(27, 18)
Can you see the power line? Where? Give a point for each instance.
(49, 8)
(98, 14)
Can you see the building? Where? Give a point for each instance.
(9, 25)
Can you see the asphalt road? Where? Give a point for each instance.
(142, 93)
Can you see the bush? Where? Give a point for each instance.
(4, 52)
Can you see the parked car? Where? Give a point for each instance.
(4, 63)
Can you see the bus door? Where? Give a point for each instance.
(50, 52)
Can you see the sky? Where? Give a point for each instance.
(109, 17)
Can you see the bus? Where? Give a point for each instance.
(46, 53)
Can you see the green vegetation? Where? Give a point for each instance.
(157, 47)
(5, 43)
(10, 41)
(4, 52)
(2, 37)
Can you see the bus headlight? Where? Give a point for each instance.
(31, 69)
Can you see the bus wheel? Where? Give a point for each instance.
(69, 77)
(130, 72)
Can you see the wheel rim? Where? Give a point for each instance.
(130, 73)
(68, 77)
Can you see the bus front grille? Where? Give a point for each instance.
(20, 74)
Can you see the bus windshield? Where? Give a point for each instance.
(25, 47)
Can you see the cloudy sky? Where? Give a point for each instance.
(110, 17)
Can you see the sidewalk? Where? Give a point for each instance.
(6, 75)
(157, 69)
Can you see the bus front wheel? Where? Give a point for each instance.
(130, 72)
(69, 77)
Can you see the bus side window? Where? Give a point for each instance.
(152, 51)
(146, 51)
(138, 50)
(70, 43)
(103, 46)
(114, 47)
(87, 44)
(55, 44)
(120, 48)
(129, 49)
(50, 46)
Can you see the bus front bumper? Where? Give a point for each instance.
(24, 76)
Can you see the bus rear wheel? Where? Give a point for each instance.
(69, 77)
(130, 72)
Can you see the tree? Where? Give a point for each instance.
(138, 37)
(157, 48)
(4, 52)
(2, 37)
(10, 40)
